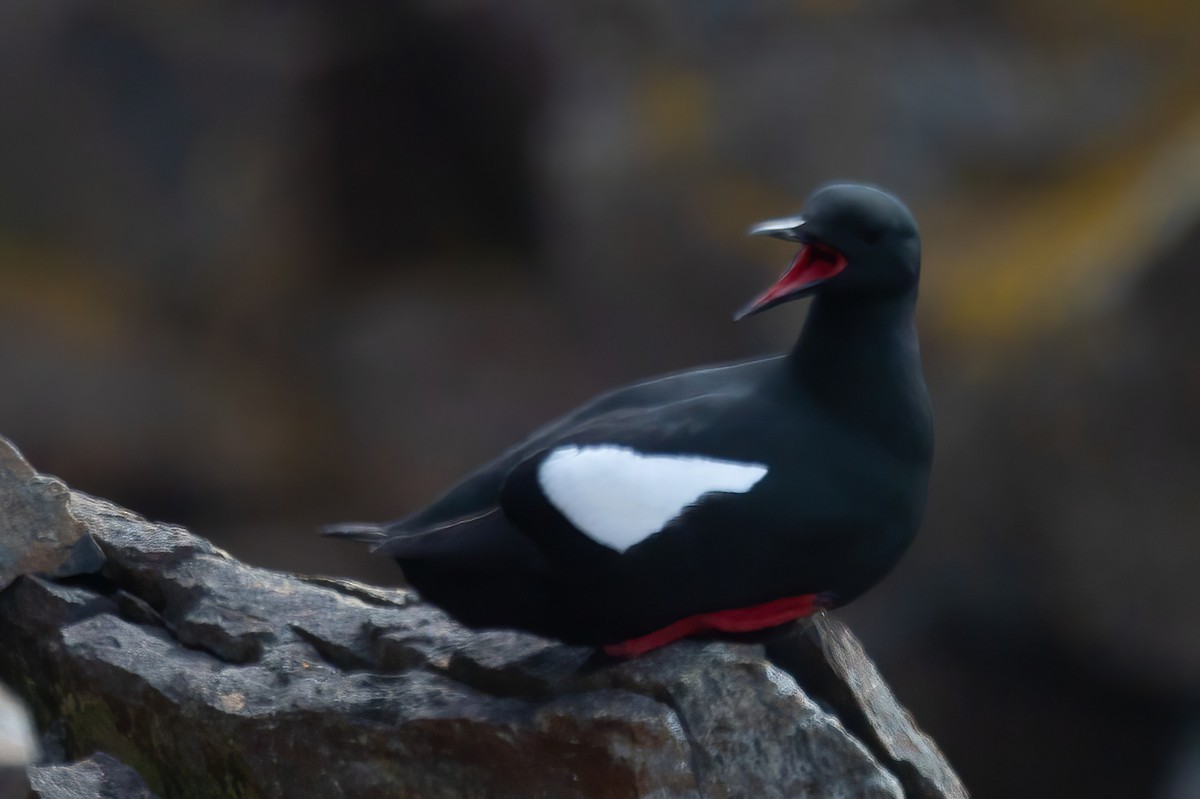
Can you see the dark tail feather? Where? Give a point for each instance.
(481, 570)
(369, 533)
(484, 572)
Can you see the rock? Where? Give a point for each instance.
(832, 664)
(37, 532)
(215, 678)
(98, 777)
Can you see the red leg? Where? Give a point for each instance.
(738, 620)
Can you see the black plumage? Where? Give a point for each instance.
(840, 427)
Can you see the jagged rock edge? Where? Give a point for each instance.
(118, 586)
(854, 723)
(115, 577)
(817, 679)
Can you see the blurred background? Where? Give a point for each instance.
(268, 265)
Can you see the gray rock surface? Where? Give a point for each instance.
(37, 532)
(100, 776)
(213, 678)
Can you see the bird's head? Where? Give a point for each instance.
(853, 238)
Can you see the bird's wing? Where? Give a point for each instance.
(642, 502)
(479, 491)
(592, 497)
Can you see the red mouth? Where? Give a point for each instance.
(813, 265)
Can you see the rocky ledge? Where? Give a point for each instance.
(211, 678)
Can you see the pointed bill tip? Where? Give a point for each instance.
(760, 303)
(787, 228)
(747, 310)
(354, 531)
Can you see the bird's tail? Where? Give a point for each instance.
(355, 531)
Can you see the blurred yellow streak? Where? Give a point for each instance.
(1005, 270)
(675, 109)
(54, 291)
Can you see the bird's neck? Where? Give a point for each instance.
(858, 358)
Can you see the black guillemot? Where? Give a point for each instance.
(730, 498)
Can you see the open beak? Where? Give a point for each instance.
(813, 265)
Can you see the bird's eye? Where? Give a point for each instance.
(872, 236)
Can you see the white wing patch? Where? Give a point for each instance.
(618, 496)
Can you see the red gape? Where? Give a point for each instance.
(739, 620)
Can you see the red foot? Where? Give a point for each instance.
(740, 620)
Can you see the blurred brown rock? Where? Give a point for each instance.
(1060, 546)
(1083, 453)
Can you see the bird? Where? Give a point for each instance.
(732, 498)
